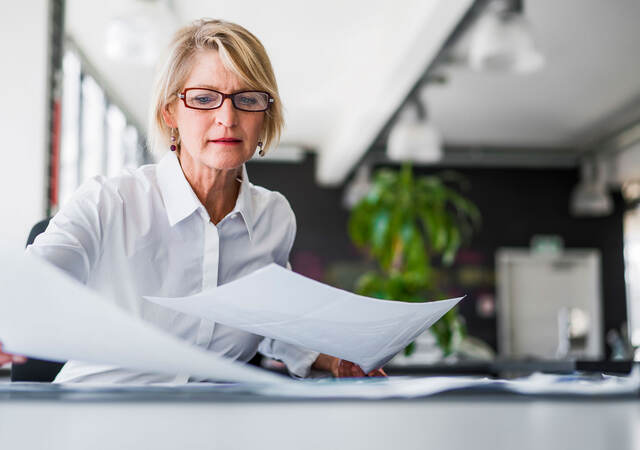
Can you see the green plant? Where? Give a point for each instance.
(404, 223)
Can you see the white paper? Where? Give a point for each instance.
(46, 314)
(414, 387)
(582, 385)
(364, 388)
(375, 388)
(280, 304)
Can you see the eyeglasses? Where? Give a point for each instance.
(199, 98)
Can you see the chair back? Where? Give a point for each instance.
(36, 369)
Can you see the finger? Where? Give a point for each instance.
(8, 357)
(18, 359)
(4, 357)
(377, 373)
(357, 371)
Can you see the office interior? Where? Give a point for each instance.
(528, 109)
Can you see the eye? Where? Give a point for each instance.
(203, 99)
(247, 100)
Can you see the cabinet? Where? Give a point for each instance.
(549, 305)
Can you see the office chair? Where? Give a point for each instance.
(36, 369)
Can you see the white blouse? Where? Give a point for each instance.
(146, 233)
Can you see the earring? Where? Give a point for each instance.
(174, 140)
(260, 152)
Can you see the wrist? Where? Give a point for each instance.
(327, 363)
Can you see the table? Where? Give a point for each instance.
(206, 421)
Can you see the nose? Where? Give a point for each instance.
(226, 114)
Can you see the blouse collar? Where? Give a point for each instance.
(180, 200)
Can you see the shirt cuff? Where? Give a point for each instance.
(297, 359)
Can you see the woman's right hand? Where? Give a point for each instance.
(6, 358)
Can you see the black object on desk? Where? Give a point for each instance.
(505, 368)
(36, 369)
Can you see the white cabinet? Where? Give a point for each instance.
(549, 305)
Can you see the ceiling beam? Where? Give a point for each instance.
(462, 156)
(353, 138)
(615, 133)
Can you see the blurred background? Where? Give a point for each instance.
(433, 148)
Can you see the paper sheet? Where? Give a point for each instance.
(582, 385)
(280, 304)
(46, 314)
(345, 388)
(406, 387)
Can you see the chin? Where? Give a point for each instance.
(224, 162)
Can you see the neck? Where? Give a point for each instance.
(217, 189)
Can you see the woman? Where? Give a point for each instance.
(193, 221)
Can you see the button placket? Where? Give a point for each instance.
(210, 264)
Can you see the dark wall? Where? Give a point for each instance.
(515, 205)
(322, 221)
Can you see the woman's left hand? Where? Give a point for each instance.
(341, 368)
(347, 369)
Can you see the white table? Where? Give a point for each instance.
(449, 421)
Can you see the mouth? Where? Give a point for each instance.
(226, 141)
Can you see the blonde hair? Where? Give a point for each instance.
(241, 53)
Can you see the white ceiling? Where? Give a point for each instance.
(343, 68)
(592, 49)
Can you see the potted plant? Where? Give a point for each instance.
(405, 223)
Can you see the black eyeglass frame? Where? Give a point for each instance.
(183, 97)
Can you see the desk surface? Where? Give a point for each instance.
(446, 421)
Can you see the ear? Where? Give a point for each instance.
(167, 115)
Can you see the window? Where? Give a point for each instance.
(97, 137)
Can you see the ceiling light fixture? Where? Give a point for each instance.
(590, 197)
(503, 41)
(414, 138)
(138, 35)
(358, 187)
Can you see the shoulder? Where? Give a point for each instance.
(132, 182)
(271, 203)
(129, 182)
(274, 222)
(106, 194)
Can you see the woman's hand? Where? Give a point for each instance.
(345, 369)
(6, 358)
(341, 368)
